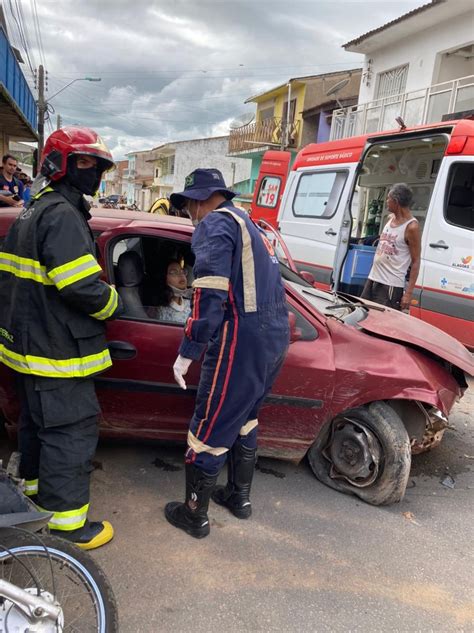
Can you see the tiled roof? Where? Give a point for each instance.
(403, 17)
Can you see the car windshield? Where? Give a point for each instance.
(330, 304)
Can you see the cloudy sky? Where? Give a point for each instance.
(179, 69)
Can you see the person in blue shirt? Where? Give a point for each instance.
(11, 189)
(26, 182)
(239, 323)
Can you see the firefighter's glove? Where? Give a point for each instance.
(180, 368)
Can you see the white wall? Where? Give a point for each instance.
(452, 67)
(206, 153)
(420, 51)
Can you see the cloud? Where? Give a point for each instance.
(177, 69)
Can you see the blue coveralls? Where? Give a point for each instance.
(240, 318)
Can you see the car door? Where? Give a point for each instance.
(312, 215)
(447, 293)
(270, 186)
(138, 394)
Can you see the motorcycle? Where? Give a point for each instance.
(47, 585)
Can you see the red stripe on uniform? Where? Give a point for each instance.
(214, 379)
(196, 303)
(229, 366)
(195, 313)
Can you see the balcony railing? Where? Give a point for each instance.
(260, 133)
(418, 107)
(13, 80)
(164, 180)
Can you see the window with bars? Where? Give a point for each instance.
(392, 82)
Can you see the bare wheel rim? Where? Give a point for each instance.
(76, 590)
(354, 452)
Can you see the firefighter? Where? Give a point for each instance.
(52, 332)
(239, 321)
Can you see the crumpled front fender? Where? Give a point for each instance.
(386, 370)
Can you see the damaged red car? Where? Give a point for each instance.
(362, 389)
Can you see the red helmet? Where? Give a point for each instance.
(71, 140)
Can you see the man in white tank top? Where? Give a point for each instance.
(398, 250)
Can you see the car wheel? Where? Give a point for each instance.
(365, 452)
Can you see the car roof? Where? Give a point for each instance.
(113, 218)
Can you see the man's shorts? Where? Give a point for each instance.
(389, 296)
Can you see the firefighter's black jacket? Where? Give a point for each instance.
(53, 304)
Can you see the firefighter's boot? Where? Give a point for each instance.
(191, 516)
(91, 535)
(236, 494)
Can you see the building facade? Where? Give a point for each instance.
(419, 66)
(115, 182)
(292, 115)
(172, 162)
(138, 177)
(18, 114)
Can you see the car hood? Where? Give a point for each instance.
(403, 328)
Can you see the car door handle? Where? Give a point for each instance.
(121, 350)
(330, 232)
(439, 244)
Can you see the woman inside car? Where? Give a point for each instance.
(173, 302)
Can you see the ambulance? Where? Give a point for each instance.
(330, 208)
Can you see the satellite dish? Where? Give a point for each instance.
(337, 87)
(242, 120)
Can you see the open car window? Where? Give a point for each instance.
(140, 265)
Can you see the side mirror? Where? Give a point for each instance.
(295, 332)
(307, 276)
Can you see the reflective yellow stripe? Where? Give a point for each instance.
(31, 487)
(214, 282)
(200, 447)
(248, 264)
(74, 271)
(24, 268)
(45, 190)
(248, 426)
(52, 368)
(70, 520)
(110, 306)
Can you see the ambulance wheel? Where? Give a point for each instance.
(365, 452)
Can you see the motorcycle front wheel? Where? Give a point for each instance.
(53, 565)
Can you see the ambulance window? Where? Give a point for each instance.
(318, 194)
(269, 192)
(458, 209)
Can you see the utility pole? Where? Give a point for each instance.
(41, 111)
(59, 122)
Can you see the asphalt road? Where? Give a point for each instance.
(310, 559)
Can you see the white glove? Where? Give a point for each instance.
(180, 368)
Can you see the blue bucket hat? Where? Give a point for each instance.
(200, 185)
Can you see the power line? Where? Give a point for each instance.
(205, 70)
(26, 31)
(21, 33)
(39, 39)
(182, 107)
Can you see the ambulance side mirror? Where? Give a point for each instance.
(295, 332)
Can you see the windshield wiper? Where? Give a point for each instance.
(357, 304)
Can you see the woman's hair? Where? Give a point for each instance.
(164, 292)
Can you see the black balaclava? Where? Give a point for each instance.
(85, 180)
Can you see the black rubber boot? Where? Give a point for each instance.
(236, 494)
(191, 516)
